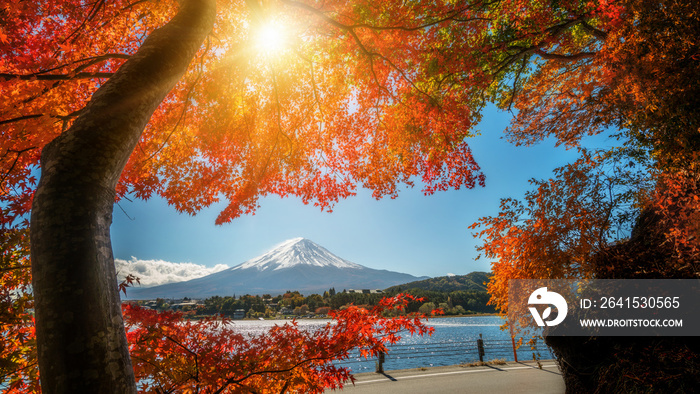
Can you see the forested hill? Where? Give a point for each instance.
(475, 281)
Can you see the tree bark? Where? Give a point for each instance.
(81, 342)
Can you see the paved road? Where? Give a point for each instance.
(512, 378)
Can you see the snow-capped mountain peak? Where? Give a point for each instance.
(294, 252)
(296, 264)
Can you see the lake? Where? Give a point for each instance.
(453, 342)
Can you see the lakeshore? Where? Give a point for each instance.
(454, 342)
(511, 377)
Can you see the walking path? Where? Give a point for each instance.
(511, 378)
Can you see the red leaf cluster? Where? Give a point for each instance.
(209, 355)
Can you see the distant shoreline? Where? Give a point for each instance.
(466, 315)
(327, 318)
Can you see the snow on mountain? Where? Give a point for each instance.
(297, 251)
(296, 264)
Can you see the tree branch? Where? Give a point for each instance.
(34, 116)
(555, 31)
(571, 58)
(55, 77)
(595, 31)
(20, 118)
(15, 267)
(3, 377)
(350, 29)
(14, 164)
(196, 357)
(91, 60)
(515, 84)
(186, 102)
(450, 16)
(271, 371)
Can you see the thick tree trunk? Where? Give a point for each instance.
(80, 333)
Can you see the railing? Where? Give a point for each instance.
(450, 352)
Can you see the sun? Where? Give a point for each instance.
(271, 38)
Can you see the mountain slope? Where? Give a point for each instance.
(294, 252)
(475, 281)
(297, 264)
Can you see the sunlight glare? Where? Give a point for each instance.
(271, 38)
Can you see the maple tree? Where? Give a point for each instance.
(289, 128)
(642, 79)
(359, 93)
(561, 224)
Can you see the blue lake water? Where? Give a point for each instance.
(453, 342)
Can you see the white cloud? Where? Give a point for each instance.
(450, 274)
(159, 272)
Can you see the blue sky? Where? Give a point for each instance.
(416, 234)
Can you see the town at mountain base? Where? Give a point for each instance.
(297, 264)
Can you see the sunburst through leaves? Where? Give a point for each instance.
(271, 38)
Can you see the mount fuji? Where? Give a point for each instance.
(296, 264)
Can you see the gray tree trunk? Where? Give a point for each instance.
(81, 341)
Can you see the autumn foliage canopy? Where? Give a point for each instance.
(629, 211)
(354, 94)
(248, 120)
(313, 99)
